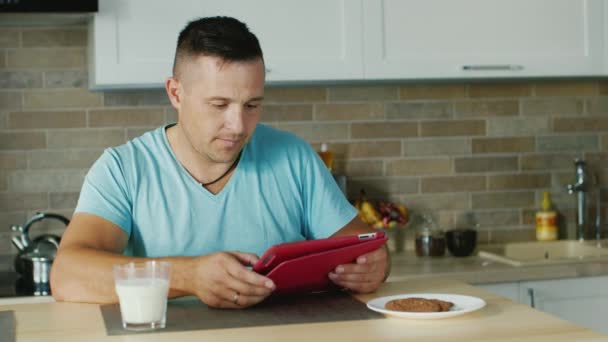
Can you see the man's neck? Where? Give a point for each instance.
(202, 170)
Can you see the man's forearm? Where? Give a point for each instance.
(82, 274)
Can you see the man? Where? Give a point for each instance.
(209, 193)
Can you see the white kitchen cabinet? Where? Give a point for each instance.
(431, 39)
(132, 42)
(583, 301)
(508, 290)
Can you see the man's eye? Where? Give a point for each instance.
(253, 105)
(219, 105)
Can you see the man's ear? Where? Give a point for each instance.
(175, 92)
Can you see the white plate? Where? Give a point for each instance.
(462, 305)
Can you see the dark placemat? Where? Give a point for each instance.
(7, 326)
(192, 314)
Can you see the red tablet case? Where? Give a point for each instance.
(304, 266)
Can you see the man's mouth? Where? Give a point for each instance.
(230, 143)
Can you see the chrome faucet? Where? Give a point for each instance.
(581, 187)
(598, 209)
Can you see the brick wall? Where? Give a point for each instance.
(447, 148)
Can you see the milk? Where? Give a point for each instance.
(142, 300)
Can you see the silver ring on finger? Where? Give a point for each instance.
(235, 298)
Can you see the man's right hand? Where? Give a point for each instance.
(222, 280)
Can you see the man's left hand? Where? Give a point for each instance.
(366, 274)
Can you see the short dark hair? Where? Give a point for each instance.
(224, 37)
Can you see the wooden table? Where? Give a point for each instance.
(500, 320)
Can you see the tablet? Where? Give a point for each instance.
(303, 266)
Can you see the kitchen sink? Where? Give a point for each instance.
(544, 252)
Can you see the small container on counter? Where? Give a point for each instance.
(327, 156)
(430, 240)
(546, 220)
(461, 242)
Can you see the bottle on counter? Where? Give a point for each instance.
(546, 220)
(327, 156)
(430, 239)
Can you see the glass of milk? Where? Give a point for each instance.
(142, 290)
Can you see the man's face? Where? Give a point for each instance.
(219, 105)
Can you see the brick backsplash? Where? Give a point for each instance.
(448, 149)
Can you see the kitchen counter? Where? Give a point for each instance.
(407, 266)
(473, 270)
(501, 319)
(476, 270)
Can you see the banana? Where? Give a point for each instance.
(359, 211)
(371, 214)
(368, 212)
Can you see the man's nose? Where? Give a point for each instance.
(235, 118)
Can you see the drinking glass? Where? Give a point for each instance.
(142, 289)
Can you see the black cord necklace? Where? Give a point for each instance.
(227, 171)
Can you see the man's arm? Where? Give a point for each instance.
(82, 270)
(355, 226)
(369, 271)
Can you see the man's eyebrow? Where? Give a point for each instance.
(217, 98)
(220, 98)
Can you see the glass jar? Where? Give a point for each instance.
(430, 240)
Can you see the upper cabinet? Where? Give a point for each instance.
(483, 38)
(133, 42)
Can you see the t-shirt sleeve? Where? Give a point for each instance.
(327, 209)
(104, 192)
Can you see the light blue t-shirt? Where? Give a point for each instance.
(280, 191)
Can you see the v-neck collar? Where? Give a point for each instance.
(192, 181)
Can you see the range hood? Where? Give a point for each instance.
(48, 6)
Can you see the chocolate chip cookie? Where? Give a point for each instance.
(416, 304)
(445, 306)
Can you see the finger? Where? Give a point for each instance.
(248, 259)
(356, 277)
(234, 278)
(368, 262)
(374, 256)
(246, 289)
(241, 303)
(247, 277)
(244, 301)
(356, 268)
(351, 284)
(358, 287)
(228, 298)
(234, 269)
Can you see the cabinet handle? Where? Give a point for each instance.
(531, 295)
(491, 67)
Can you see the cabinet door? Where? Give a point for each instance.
(583, 301)
(483, 38)
(508, 290)
(133, 41)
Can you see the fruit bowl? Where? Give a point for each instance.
(390, 217)
(384, 215)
